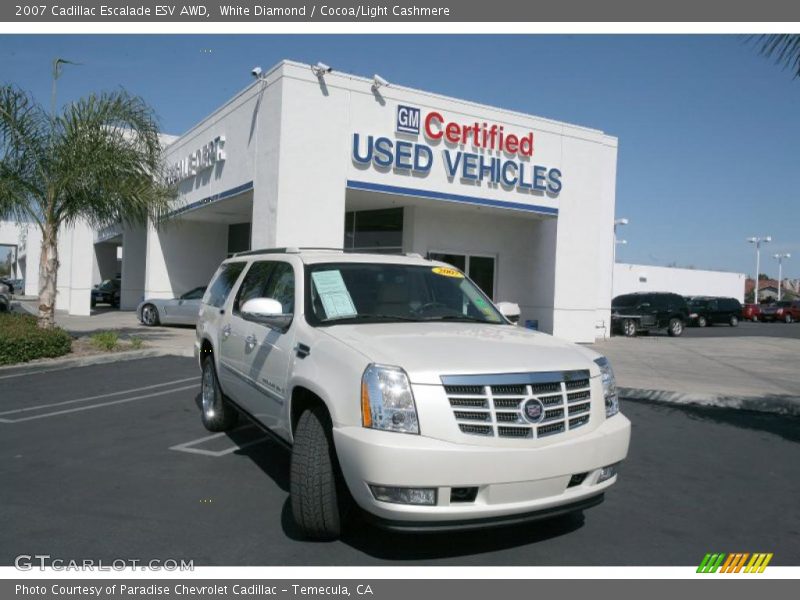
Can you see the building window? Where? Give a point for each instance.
(479, 268)
(374, 230)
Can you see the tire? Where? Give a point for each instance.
(629, 328)
(702, 321)
(150, 315)
(93, 303)
(675, 327)
(733, 321)
(318, 494)
(216, 413)
(754, 319)
(788, 318)
(115, 301)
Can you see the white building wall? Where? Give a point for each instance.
(686, 282)
(134, 261)
(76, 269)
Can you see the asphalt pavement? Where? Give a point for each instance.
(111, 461)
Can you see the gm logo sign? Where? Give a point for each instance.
(408, 119)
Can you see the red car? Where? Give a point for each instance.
(785, 311)
(751, 312)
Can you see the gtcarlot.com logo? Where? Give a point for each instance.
(739, 562)
(29, 562)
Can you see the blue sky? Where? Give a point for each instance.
(709, 130)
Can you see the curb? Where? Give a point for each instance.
(59, 364)
(784, 405)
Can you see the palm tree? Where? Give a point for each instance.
(98, 161)
(784, 47)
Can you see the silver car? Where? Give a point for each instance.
(171, 311)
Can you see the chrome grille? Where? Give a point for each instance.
(491, 405)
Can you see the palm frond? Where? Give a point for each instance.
(784, 48)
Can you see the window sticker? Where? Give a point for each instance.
(333, 293)
(448, 272)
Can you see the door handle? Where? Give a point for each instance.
(226, 331)
(250, 340)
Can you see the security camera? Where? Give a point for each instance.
(378, 81)
(320, 69)
(256, 72)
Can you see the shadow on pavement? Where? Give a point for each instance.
(784, 426)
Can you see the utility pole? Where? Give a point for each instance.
(779, 258)
(758, 241)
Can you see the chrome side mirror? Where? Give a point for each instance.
(266, 311)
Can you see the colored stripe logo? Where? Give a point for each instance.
(739, 562)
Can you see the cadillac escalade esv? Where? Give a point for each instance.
(403, 390)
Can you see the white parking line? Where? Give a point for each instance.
(80, 408)
(123, 392)
(188, 446)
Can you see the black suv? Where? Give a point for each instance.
(706, 310)
(649, 311)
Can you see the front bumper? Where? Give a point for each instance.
(524, 482)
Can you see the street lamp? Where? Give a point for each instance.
(617, 223)
(779, 258)
(758, 241)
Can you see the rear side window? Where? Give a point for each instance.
(223, 283)
(281, 286)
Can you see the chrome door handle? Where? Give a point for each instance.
(250, 340)
(226, 331)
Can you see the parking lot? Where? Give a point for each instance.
(111, 461)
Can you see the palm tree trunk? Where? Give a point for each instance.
(48, 274)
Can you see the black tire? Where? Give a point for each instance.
(115, 301)
(675, 327)
(216, 412)
(150, 315)
(93, 303)
(318, 493)
(733, 321)
(629, 328)
(788, 318)
(702, 321)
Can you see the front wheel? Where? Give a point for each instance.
(675, 327)
(317, 490)
(734, 321)
(217, 413)
(150, 315)
(629, 327)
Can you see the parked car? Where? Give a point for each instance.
(785, 310)
(649, 311)
(751, 312)
(704, 311)
(400, 387)
(9, 285)
(5, 298)
(171, 311)
(107, 292)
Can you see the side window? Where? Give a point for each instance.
(223, 283)
(194, 294)
(254, 283)
(281, 286)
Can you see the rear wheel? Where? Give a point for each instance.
(675, 327)
(788, 318)
(734, 321)
(702, 321)
(629, 327)
(217, 413)
(317, 490)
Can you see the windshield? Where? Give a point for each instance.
(366, 292)
(108, 284)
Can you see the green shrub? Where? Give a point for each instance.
(105, 340)
(21, 340)
(136, 342)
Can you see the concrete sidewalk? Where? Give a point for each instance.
(752, 373)
(178, 339)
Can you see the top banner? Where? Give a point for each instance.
(403, 11)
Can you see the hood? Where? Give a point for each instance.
(428, 350)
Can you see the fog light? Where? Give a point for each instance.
(402, 495)
(607, 472)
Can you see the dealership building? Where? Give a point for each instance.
(306, 157)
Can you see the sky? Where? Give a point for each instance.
(708, 129)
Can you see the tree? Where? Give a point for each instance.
(784, 48)
(98, 161)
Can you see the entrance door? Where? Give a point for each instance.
(480, 269)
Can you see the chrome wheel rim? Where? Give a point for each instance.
(149, 316)
(630, 328)
(677, 328)
(208, 393)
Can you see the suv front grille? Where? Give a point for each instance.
(486, 407)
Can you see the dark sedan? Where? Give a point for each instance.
(107, 292)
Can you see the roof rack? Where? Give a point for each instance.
(286, 250)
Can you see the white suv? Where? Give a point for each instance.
(400, 386)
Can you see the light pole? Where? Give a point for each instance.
(617, 223)
(779, 258)
(758, 241)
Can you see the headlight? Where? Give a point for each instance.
(387, 401)
(609, 386)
